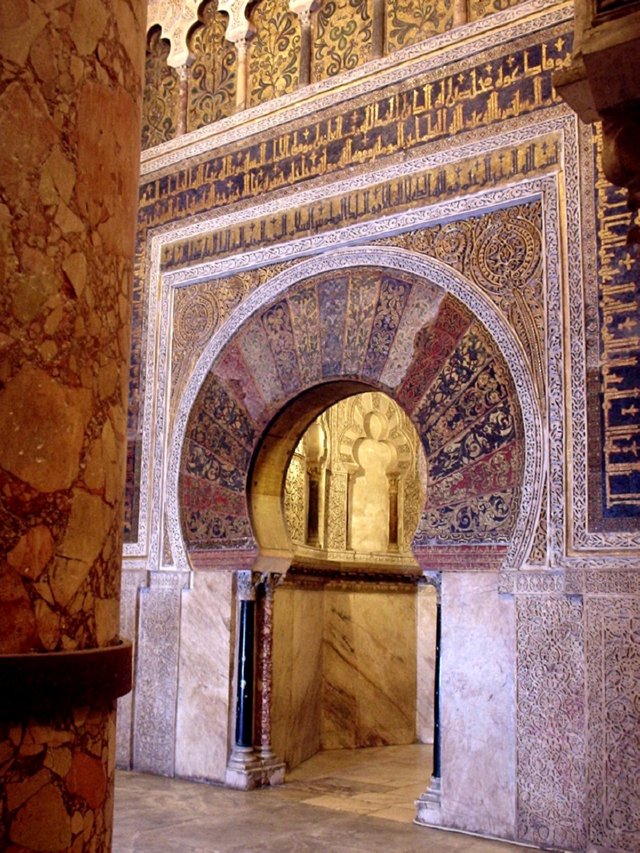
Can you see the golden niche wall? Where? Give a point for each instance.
(356, 484)
(276, 50)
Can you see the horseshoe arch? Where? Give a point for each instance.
(334, 325)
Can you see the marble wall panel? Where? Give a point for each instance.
(131, 582)
(204, 678)
(369, 669)
(297, 674)
(340, 675)
(157, 674)
(478, 705)
(425, 661)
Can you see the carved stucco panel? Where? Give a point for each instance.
(550, 721)
(613, 690)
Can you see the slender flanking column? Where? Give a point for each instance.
(313, 505)
(238, 31)
(243, 758)
(393, 512)
(241, 74)
(183, 78)
(428, 806)
(245, 685)
(351, 478)
(378, 16)
(460, 12)
(303, 8)
(249, 767)
(436, 692)
(265, 664)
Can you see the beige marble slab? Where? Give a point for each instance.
(297, 674)
(425, 661)
(369, 669)
(204, 686)
(478, 705)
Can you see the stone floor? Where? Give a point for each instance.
(342, 800)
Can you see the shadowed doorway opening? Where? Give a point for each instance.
(354, 622)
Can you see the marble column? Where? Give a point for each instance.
(183, 82)
(70, 90)
(241, 74)
(378, 15)
(460, 12)
(428, 806)
(243, 757)
(313, 505)
(393, 512)
(249, 767)
(273, 769)
(264, 668)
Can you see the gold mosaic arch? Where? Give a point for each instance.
(331, 334)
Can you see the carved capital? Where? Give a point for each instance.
(434, 579)
(246, 583)
(303, 9)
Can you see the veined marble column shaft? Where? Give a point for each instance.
(70, 90)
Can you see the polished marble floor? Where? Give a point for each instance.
(351, 801)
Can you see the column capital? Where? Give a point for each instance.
(271, 580)
(434, 579)
(303, 9)
(246, 583)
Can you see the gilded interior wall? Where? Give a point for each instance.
(274, 51)
(409, 22)
(345, 669)
(191, 70)
(342, 34)
(211, 74)
(161, 102)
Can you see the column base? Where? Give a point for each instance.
(428, 808)
(254, 773)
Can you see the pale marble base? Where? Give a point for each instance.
(344, 670)
(297, 674)
(428, 806)
(369, 669)
(257, 774)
